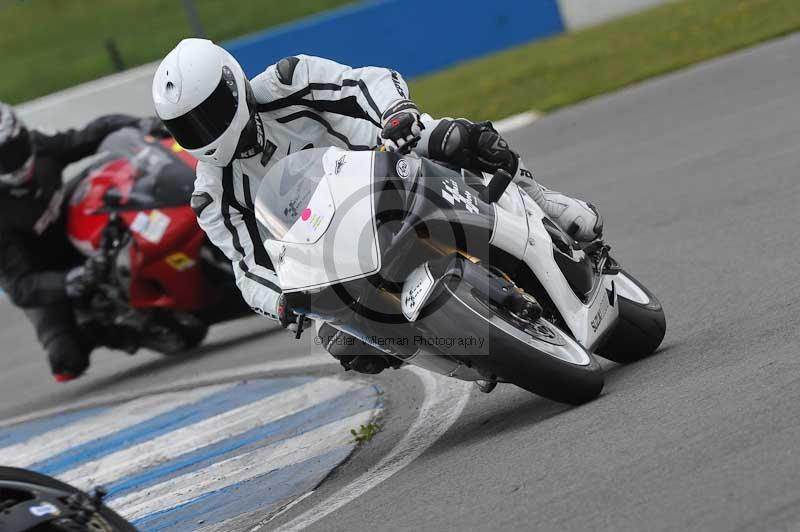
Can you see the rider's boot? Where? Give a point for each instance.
(579, 219)
(68, 358)
(353, 353)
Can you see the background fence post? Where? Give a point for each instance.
(194, 19)
(114, 54)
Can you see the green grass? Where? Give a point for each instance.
(48, 45)
(569, 68)
(365, 433)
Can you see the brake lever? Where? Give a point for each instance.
(301, 319)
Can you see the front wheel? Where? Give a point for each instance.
(174, 333)
(641, 325)
(536, 356)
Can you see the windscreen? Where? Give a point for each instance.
(161, 178)
(286, 190)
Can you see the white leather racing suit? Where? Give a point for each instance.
(303, 102)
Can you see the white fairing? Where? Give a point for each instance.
(519, 230)
(338, 240)
(321, 211)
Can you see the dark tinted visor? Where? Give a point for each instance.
(15, 152)
(208, 121)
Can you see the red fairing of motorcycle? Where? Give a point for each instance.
(165, 271)
(164, 252)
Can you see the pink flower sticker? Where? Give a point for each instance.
(306, 214)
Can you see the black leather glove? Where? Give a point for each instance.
(401, 127)
(287, 317)
(78, 282)
(81, 280)
(474, 146)
(490, 150)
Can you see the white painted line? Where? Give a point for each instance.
(226, 526)
(185, 488)
(125, 415)
(512, 123)
(445, 399)
(212, 430)
(256, 370)
(289, 506)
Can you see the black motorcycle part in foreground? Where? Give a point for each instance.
(31, 502)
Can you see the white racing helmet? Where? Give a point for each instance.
(203, 97)
(16, 149)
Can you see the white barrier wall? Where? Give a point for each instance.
(581, 13)
(126, 92)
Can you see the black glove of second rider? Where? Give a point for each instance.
(81, 280)
(154, 127)
(78, 282)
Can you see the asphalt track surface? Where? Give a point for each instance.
(696, 175)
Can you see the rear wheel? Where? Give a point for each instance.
(535, 355)
(641, 325)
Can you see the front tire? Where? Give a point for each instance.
(536, 356)
(175, 333)
(641, 325)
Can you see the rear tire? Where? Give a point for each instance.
(536, 356)
(641, 325)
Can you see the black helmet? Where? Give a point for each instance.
(16, 149)
(30, 502)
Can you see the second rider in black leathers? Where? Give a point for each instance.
(40, 270)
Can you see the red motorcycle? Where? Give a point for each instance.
(161, 281)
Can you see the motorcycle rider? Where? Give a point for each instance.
(40, 271)
(238, 128)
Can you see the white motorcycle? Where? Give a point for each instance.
(451, 271)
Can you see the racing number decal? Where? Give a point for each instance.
(452, 194)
